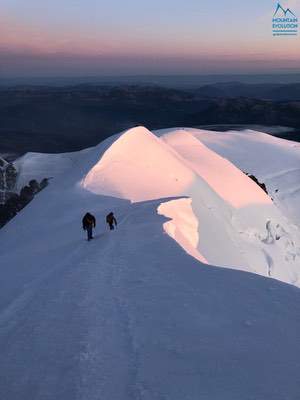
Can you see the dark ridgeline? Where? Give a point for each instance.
(59, 119)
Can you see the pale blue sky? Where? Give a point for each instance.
(138, 36)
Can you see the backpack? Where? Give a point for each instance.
(110, 218)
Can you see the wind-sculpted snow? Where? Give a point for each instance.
(275, 161)
(131, 315)
(183, 225)
(232, 212)
(137, 167)
(226, 180)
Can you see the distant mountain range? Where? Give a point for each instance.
(171, 81)
(270, 91)
(59, 119)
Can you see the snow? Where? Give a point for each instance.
(183, 225)
(222, 176)
(141, 312)
(138, 166)
(272, 160)
(232, 212)
(39, 166)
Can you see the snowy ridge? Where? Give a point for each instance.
(138, 166)
(131, 315)
(231, 211)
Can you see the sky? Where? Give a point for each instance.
(132, 37)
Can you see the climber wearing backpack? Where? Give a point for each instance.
(111, 221)
(88, 223)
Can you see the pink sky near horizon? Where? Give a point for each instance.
(92, 47)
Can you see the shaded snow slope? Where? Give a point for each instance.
(39, 166)
(237, 225)
(131, 315)
(183, 225)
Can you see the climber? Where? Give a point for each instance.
(111, 221)
(88, 223)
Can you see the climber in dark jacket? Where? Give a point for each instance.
(88, 223)
(111, 220)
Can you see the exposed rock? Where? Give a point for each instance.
(8, 177)
(44, 183)
(260, 184)
(16, 202)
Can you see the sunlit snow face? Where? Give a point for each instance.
(139, 166)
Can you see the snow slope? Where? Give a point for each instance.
(39, 166)
(131, 315)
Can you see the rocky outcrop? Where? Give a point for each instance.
(260, 184)
(16, 202)
(8, 177)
